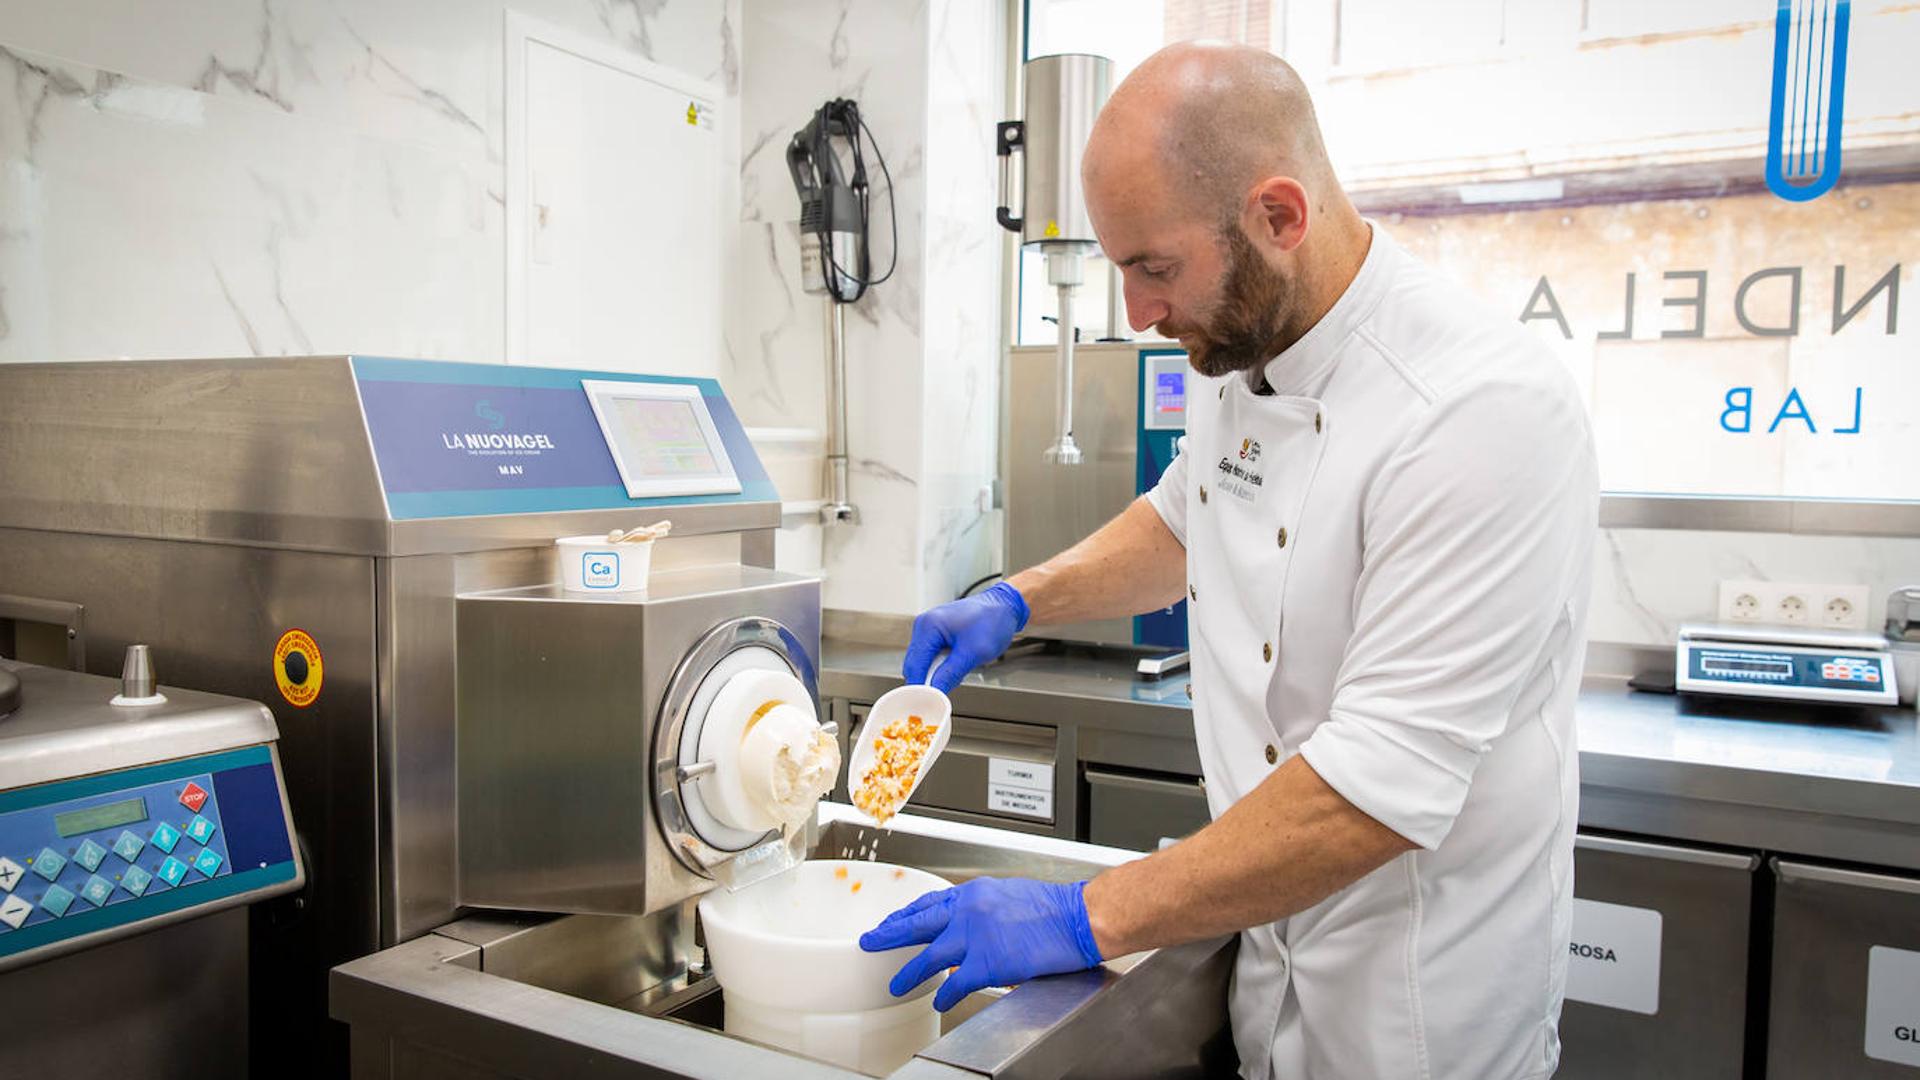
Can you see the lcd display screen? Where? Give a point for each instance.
(105, 816)
(662, 437)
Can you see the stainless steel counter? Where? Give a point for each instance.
(1817, 781)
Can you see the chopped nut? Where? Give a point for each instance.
(897, 756)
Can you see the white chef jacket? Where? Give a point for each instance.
(1388, 562)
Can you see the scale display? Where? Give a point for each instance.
(1808, 674)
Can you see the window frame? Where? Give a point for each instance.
(1788, 515)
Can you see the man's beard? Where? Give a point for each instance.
(1242, 330)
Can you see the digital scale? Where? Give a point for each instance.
(1831, 666)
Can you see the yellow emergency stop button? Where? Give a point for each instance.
(297, 668)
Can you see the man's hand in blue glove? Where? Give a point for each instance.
(993, 931)
(971, 632)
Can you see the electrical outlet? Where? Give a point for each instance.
(1834, 607)
(1792, 608)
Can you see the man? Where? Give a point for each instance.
(1383, 524)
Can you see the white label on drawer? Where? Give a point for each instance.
(1893, 1005)
(1615, 958)
(1020, 787)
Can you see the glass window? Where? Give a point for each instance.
(1599, 170)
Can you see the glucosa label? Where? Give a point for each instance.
(1893, 1005)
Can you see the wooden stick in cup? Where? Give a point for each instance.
(656, 531)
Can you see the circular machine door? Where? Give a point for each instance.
(691, 818)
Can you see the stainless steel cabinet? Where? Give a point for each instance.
(994, 773)
(1846, 974)
(1127, 810)
(1686, 910)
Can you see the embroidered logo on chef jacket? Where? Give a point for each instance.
(1242, 481)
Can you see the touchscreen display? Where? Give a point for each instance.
(661, 437)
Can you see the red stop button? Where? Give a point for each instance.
(193, 797)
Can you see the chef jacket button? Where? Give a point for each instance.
(1193, 594)
(1283, 536)
(1189, 691)
(1203, 493)
(1273, 756)
(1266, 651)
(1222, 395)
(1316, 423)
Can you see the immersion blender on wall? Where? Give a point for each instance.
(1064, 93)
(834, 258)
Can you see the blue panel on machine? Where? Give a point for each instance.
(121, 847)
(1164, 378)
(459, 440)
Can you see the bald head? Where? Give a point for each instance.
(1210, 121)
(1209, 189)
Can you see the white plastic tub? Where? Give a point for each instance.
(787, 954)
(590, 564)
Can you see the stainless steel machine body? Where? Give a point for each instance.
(210, 507)
(619, 676)
(1064, 94)
(1049, 509)
(585, 996)
(133, 837)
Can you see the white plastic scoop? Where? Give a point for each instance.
(930, 705)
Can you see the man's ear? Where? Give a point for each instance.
(1277, 210)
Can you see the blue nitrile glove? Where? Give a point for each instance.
(971, 631)
(992, 931)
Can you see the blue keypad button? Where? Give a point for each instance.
(128, 846)
(96, 890)
(200, 830)
(207, 862)
(172, 871)
(135, 880)
(89, 854)
(49, 863)
(165, 836)
(57, 901)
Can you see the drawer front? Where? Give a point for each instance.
(1657, 983)
(1846, 974)
(1127, 810)
(992, 771)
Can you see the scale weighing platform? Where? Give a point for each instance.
(1832, 666)
(119, 819)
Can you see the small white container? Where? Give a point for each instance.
(787, 954)
(590, 564)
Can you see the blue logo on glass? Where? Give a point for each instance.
(1809, 80)
(494, 417)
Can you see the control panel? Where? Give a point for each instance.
(96, 855)
(1803, 673)
(1165, 377)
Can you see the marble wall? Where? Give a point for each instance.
(252, 177)
(961, 385)
(922, 347)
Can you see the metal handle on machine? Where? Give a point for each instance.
(1833, 875)
(1612, 845)
(71, 618)
(1009, 137)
